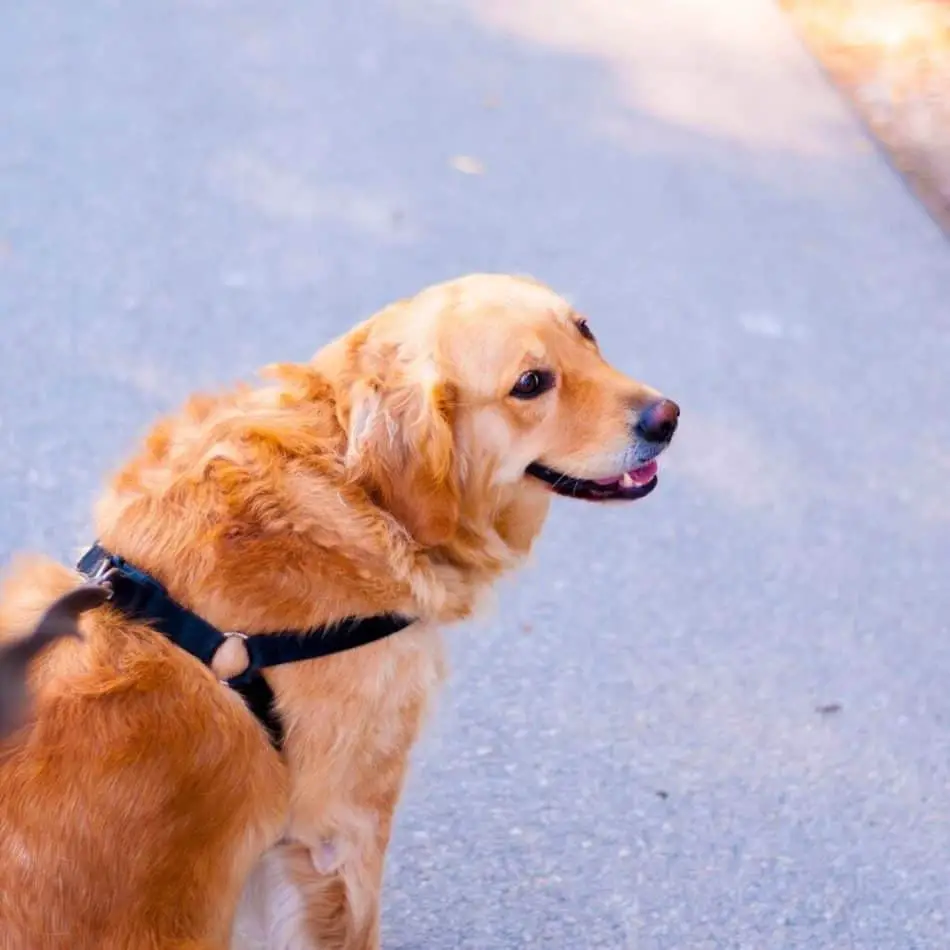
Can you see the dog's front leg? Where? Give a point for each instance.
(318, 894)
(340, 873)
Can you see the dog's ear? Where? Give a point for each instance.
(402, 447)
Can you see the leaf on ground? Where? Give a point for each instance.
(468, 165)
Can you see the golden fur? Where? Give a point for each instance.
(387, 474)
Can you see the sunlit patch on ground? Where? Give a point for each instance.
(893, 58)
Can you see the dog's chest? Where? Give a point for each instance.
(354, 712)
(408, 677)
(392, 691)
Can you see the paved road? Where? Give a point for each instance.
(630, 754)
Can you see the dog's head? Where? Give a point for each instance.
(486, 389)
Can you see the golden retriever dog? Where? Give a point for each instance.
(399, 473)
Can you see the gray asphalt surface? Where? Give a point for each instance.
(630, 753)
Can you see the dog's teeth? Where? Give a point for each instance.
(626, 481)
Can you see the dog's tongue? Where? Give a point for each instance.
(632, 479)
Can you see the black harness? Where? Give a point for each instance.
(140, 597)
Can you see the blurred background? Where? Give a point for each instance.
(892, 59)
(717, 719)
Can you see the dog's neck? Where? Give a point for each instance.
(241, 506)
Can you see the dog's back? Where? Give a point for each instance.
(90, 861)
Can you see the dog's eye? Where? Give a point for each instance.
(585, 330)
(533, 383)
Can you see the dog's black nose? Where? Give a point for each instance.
(658, 421)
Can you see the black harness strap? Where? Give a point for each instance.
(140, 597)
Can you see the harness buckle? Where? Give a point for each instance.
(102, 577)
(232, 659)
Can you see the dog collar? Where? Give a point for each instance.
(140, 597)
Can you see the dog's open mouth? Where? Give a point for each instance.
(629, 486)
